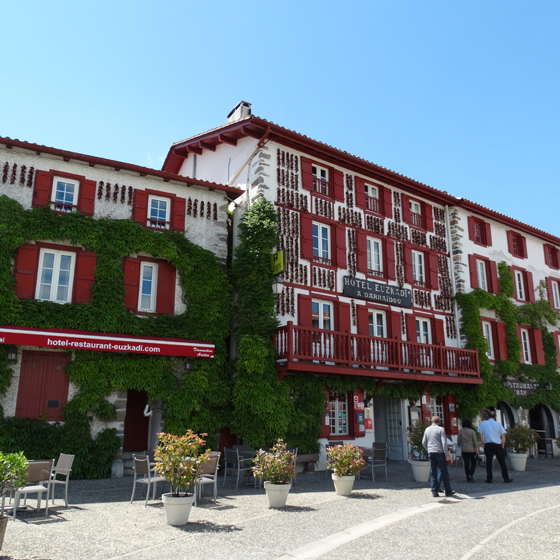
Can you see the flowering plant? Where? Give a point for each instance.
(178, 459)
(345, 460)
(13, 472)
(275, 466)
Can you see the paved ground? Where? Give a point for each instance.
(389, 520)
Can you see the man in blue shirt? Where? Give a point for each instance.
(493, 438)
(435, 443)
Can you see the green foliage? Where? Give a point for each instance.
(274, 466)
(505, 280)
(13, 472)
(344, 460)
(520, 438)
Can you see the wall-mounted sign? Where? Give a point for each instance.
(359, 417)
(376, 291)
(277, 262)
(521, 388)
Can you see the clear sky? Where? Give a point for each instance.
(460, 94)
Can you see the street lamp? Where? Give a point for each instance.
(277, 285)
(12, 354)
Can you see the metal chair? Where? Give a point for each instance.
(63, 468)
(375, 457)
(39, 473)
(237, 464)
(142, 468)
(208, 474)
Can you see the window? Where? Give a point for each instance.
(372, 198)
(551, 256)
(479, 231)
(520, 284)
(487, 332)
(64, 195)
(377, 324)
(555, 295)
(517, 245)
(423, 331)
(481, 275)
(525, 346)
(321, 243)
(374, 257)
(320, 180)
(338, 413)
(321, 315)
(158, 212)
(415, 213)
(56, 276)
(148, 287)
(418, 268)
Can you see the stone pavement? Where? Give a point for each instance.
(393, 519)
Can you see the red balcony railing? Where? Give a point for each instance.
(416, 219)
(372, 203)
(351, 350)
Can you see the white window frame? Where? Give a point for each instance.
(526, 346)
(375, 267)
(415, 207)
(377, 321)
(65, 206)
(423, 330)
(153, 294)
(320, 174)
(372, 191)
(555, 294)
(322, 254)
(520, 285)
(321, 314)
(481, 275)
(418, 269)
(372, 198)
(149, 220)
(338, 403)
(55, 274)
(487, 333)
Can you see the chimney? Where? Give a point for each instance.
(240, 111)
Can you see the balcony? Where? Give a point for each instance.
(416, 219)
(322, 351)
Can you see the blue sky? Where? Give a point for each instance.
(462, 95)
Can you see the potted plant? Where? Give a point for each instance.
(519, 439)
(178, 459)
(276, 468)
(13, 475)
(346, 462)
(419, 457)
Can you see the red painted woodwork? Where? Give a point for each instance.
(428, 216)
(472, 272)
(363, 320)
(178, 207)
(26, 271)
(165, 301)
(389, 255)
(360, 190)
(306, 226)
(439, 331)
(410, 321)
(488, 229)
(433, 272)
(405, 208)
(530, 286)
(86, 197)
(85, 276)
(304, 311)
(344, 320)
(306, 174)
(521, 357)
(524, 246)
(551, 256)
(387, 202)
(140, 207)
(43, 189)
(451, 422)
(408, 277)
(43, 385)
(326, 428)
(395, 324)
(361, 251)
(539, 348)
(136, 425)
(338, 180)
(549, 291)
(340, 235)
(494, 283)
(557, 340)
(510, 241)
(131, 282)
(501, 345)
(470, 221)
(359, 393)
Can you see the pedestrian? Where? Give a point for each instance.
(493, 439)
(435, 443)
(466, 439)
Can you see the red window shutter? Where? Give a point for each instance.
(360, 192)
(165, 299)
(495, 286)
(549, 290)
(43, 189)
(389, 253)
(405, 208)
(387, 202)
(395, 325)
(428, 217)
(338, 185)
(306, 174)
(340, 259)
(530, 286)
(432, 259)
(539, 348)
(522, 359)
(361, 251)
(178, 217)
(439, 330)
(304, 311)
(131, 282)
(546, 254)
(306, 224)
(524, 245)
(471, 228)
(85, 276)
(488, 234)
(510, 241)
(411, 328)
(408, 265)
(26, 271)
(140, 207)
(472, 272)
(450, 424)
(363, 320)
(344, 323)
(326, 428)
(502, 341)
(86, 198)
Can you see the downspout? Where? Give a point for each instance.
(452, 273)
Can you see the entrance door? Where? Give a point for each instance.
(394, 430)
(136, 425)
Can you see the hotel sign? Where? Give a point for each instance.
(376, 291)
(521, 388)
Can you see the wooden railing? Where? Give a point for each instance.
(416, 219)
(351, 350)
(372, 203)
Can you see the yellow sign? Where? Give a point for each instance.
(277, 262)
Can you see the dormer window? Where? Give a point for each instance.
(64, 197)
(158, 212)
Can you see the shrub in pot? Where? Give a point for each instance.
(13, 475)
(178, 459)
(519, 439)
(277, 469)
(346, 462)
(419, 458)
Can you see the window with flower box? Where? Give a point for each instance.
(158, 210)
(64, 192)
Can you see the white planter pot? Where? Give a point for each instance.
(177, 509)
(277, 494)
(343, 484)
(421, 470)
(518, 460)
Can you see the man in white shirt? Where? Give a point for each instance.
(435, 443)
(493, 439)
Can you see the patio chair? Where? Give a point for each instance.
(39, 478)
(377, 458)
(208, 474)
(234, 463)
(63, 468)
(142, 468)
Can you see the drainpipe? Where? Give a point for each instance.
(452, 273)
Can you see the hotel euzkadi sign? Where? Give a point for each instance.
(376, 291)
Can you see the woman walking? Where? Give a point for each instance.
(469, 447)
